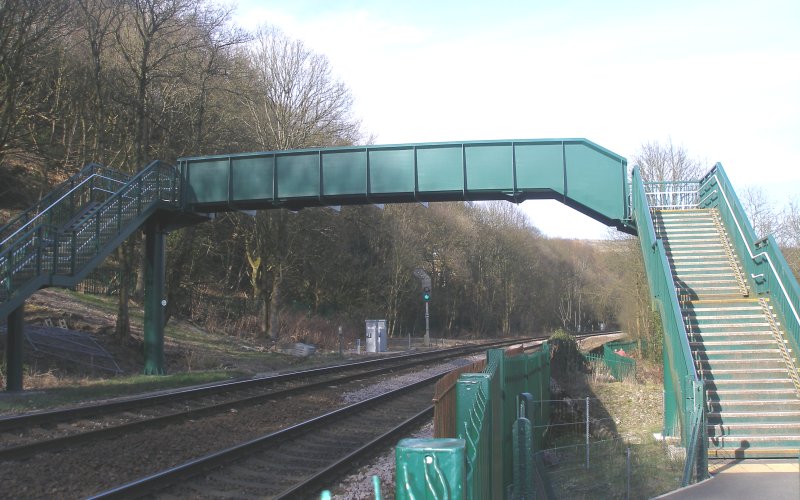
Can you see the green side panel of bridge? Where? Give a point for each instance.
(575, 171)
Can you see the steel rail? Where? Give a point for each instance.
(49, 416)
(317, 481)
(175, 475)
(28, 449)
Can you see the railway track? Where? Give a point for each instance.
(156, 432)
(28, 434)
(293, 462)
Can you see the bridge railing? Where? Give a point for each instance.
(486, 411)
(44, 252)
(94, 183)
(767, 271)
(684, 410)
(671, 194)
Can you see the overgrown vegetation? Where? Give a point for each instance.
(623, 417)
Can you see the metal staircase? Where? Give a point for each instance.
(64, 236)
(753, 408)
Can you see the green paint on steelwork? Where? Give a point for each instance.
(440, 168)
(430, 469)
(343, 173)
(252, 178)
(391, 170)
(576, 171)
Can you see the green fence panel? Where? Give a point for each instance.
(430, 469)
(678, 362)
(621, 367)
(486, 414)
(523, 485)
(474, 425)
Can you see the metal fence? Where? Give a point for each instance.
(483, 422)
(684, 408)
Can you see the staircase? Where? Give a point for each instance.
(63, 237)
(752, 389)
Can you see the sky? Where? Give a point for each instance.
(720, 79)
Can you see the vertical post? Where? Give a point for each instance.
(587, 432)
(14, 352)
(340, 340)
(409, 341)
(628, 474)
(427, 326)
(154, 300)
(358, 346)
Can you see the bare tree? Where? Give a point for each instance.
(666, 163)
(28, 28)
(760, 211)
(295, 102)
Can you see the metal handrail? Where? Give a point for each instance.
(656, 245)
(91, 168)
(45, 249)
(750, 252)
(46, 210)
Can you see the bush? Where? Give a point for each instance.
(565, 357)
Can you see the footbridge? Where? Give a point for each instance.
(713, 283)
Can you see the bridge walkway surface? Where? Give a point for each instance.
(774, 479)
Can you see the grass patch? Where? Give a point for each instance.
(634, 409)
(88, 390)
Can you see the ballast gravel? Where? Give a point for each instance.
(359, 484)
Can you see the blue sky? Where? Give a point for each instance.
(721, 79)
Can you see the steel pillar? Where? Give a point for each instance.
(14, 352)
(154, 301)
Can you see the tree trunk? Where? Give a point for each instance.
(274, 308)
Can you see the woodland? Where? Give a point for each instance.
(124, 82)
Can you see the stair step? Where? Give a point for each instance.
(698, 310)
(739, 345)
(753, 326)
(683, 268)
(693, 250)
(719, 260)
(763, 362)
(744, 405)
(756, 416)
(764, 430)
(726, 395)
(718, 374)
(735, 354)
(702, 276)
(716, 287)
(748, 451)
(740, 314)
(752, 383)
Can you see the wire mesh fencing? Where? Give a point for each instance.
(587, 457)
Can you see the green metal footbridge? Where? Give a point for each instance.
(728, 302)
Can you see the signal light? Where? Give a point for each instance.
(426, 294)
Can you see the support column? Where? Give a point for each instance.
(14, 352)
(154, 298)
